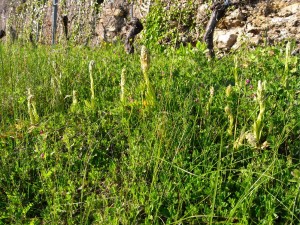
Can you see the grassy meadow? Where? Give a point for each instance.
(89, 136)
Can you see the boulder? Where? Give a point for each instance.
(289, 10)
(236, 18)
(112, 20)
(265, 22)
(226, 39)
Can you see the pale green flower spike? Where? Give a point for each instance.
(212, 91)
(74, 101)
(33, 115)
(235, 72)
(145, 60)
(74, 97)
(122, 84)
(211, 97)
(91, 66)
(230, 118)
(145, 65)
(228, 111)
(239, 141)
(286, 64)
(228, 91)
(258, 124)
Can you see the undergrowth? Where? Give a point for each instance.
(185, 141)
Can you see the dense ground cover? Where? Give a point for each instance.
(189, 141)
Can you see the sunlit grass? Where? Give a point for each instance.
(92, 136)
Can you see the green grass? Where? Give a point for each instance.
(175, 160)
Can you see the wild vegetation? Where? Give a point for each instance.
(162, 136)
(88, 137)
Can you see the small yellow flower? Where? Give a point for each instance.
(145, 103)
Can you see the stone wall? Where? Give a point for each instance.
(94, 21)
(87, 21)
(263, 23)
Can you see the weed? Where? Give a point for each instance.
(77, 150)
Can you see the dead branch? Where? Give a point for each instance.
(2, 33)
(135, 28)
(218, 11)
(65, 22)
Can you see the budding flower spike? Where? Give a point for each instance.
(74, 97)
(33, 115)
(145, 60)
(122, 84)
(258, 124)
(235, 72)
(91, 66)
(145, 65)
(228, 91)
(212, 91)
(211, 96)
(90, 105)
(286, 64)
(228, 110)
(74, 105)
